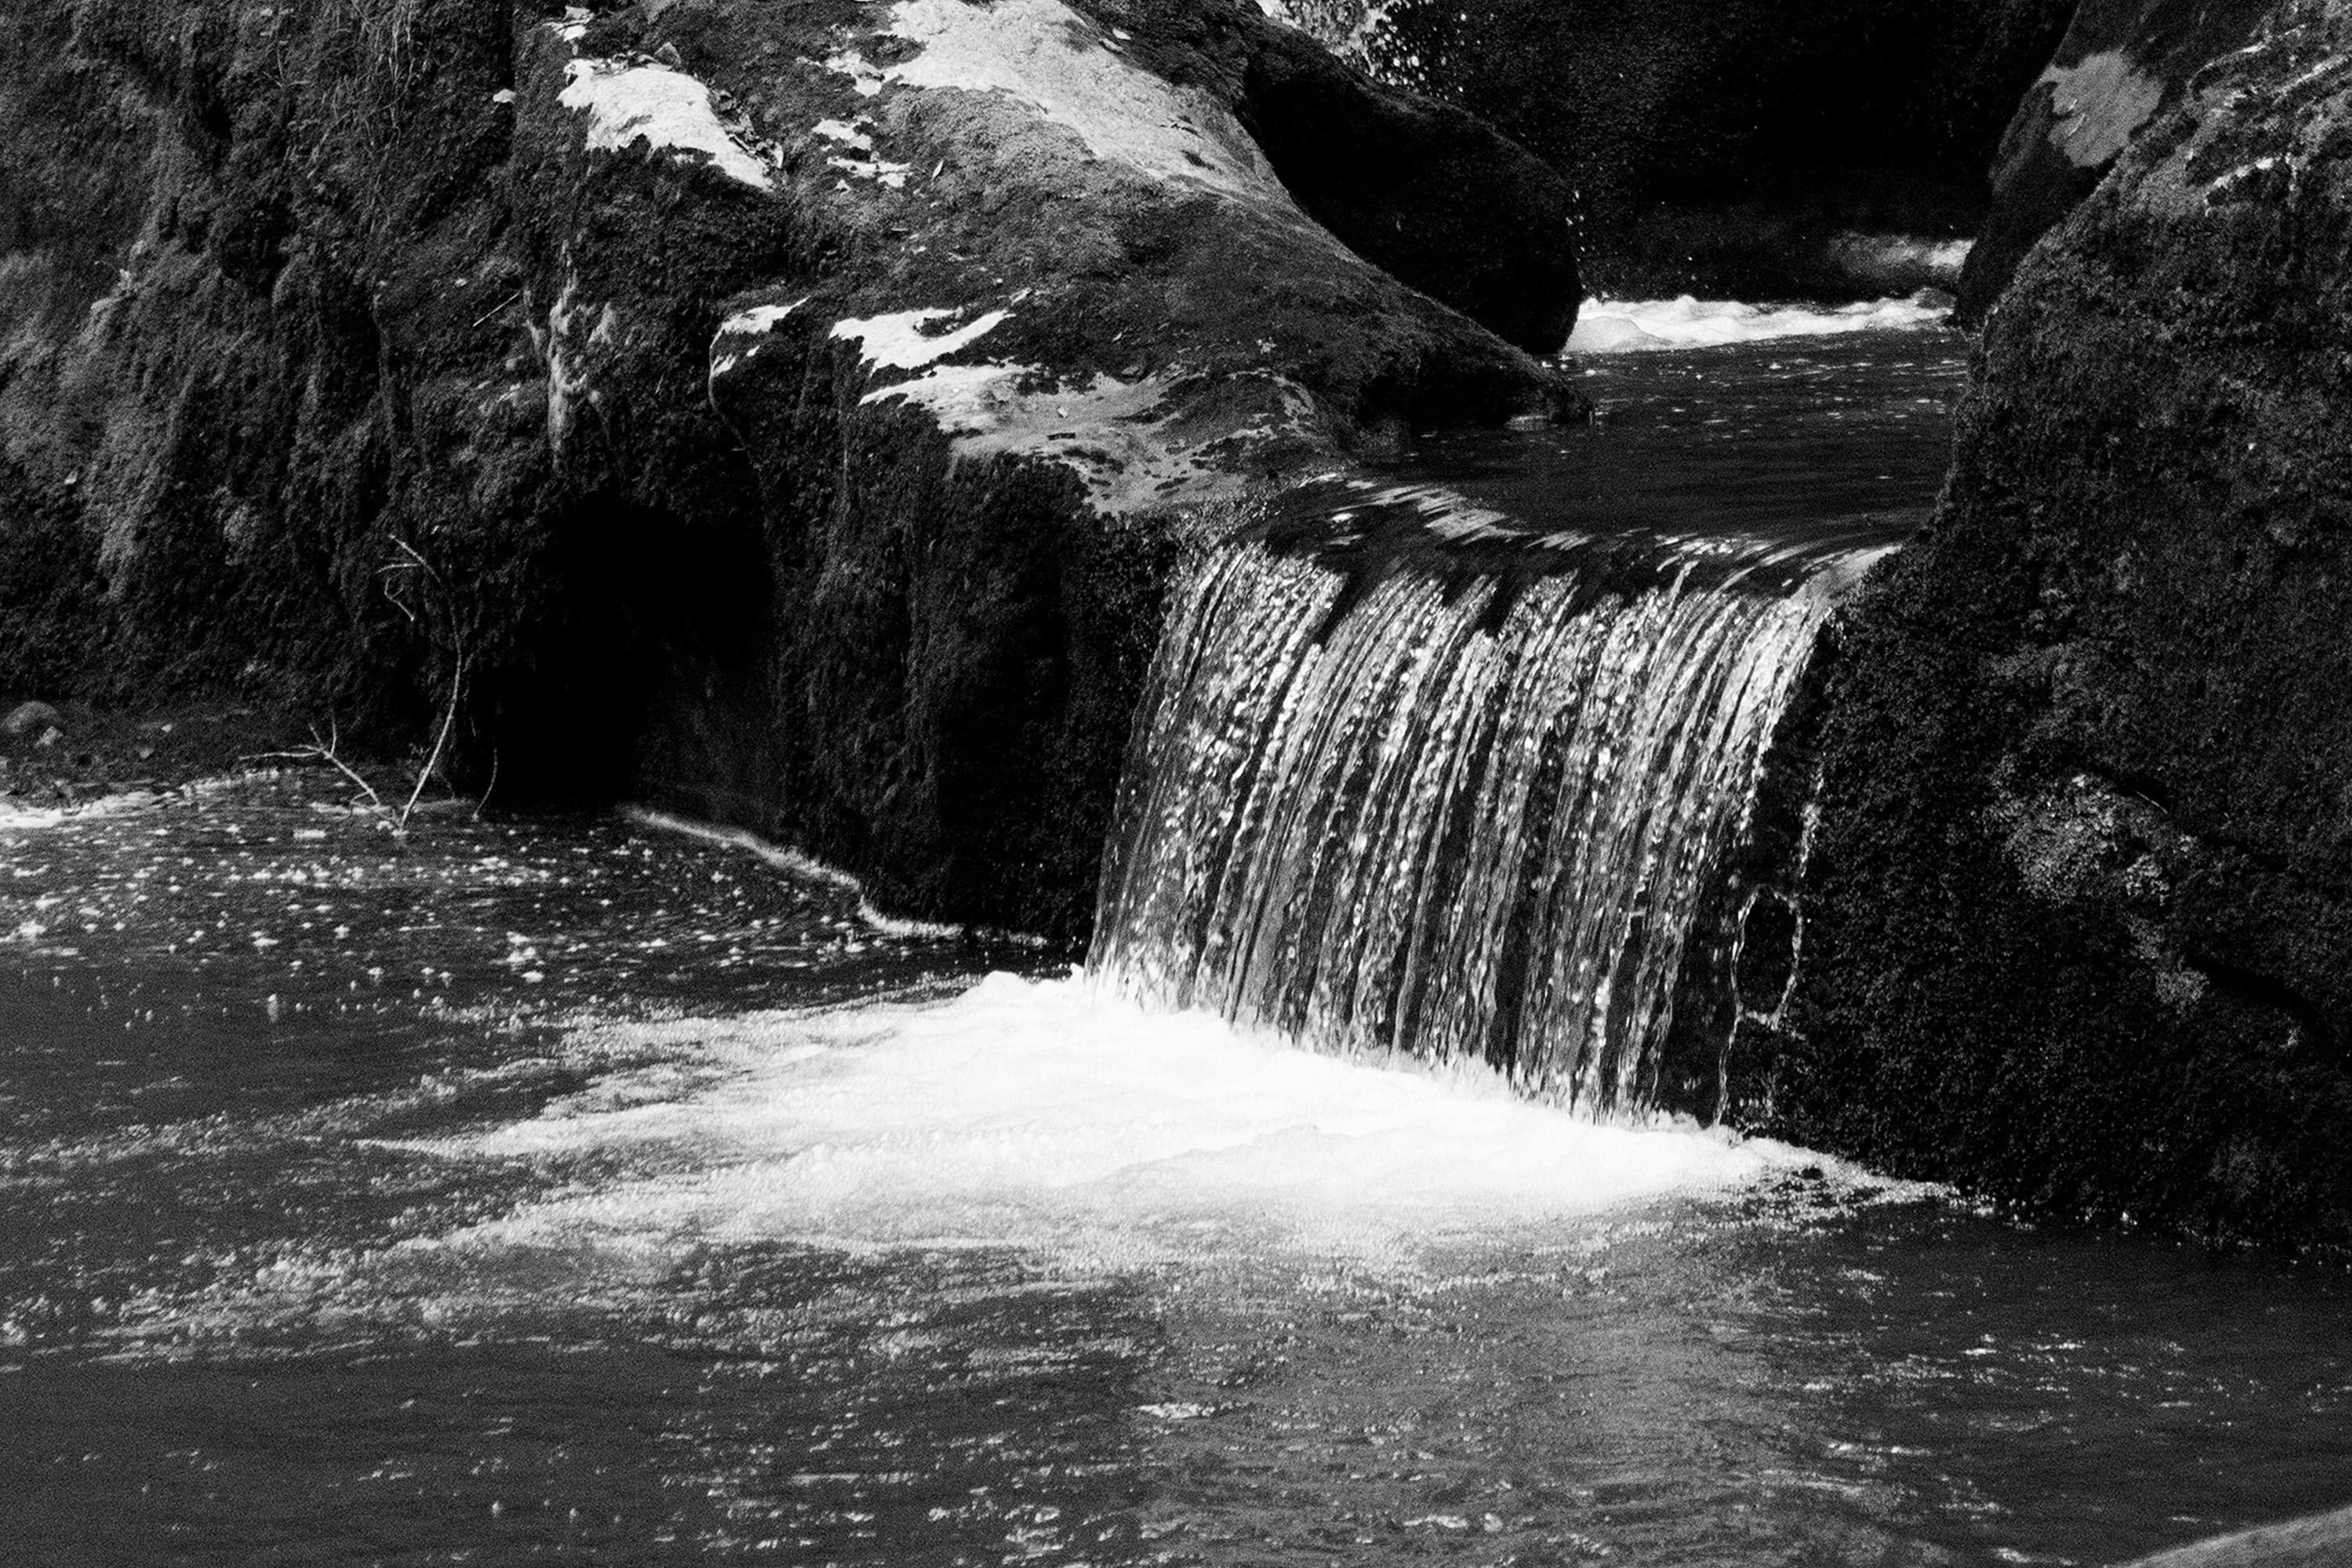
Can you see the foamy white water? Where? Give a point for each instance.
(1629, 326)
(1055, 1116)
(14, 816)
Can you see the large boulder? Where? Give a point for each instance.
(2122, 66)
(1742, 148)
(784, 412)
(2079, 909)
(1421, 188)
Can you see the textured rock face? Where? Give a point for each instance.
(2122, 64)
(2080, 904)
(1749, 148)
(2315, 1541)
(783, 411)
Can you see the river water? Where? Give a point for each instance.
(576, 1189)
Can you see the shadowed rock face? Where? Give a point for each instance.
(1752, 149)
(1420, 188)
(2122, 64)
(783, 412)
(2080, 902)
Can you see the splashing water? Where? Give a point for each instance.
(1463, 819)
(1626, 326)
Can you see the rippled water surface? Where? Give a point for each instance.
(571, 1190)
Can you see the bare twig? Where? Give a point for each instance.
(327, 752)
(449, 722)
(495, 309)
(489, 788)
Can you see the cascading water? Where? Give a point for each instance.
(1465, 814)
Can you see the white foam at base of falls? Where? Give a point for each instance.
(1057, 1115)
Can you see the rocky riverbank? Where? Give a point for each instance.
(785, 414)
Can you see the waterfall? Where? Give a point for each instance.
(1465, 814)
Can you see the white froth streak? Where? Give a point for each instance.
(1055, 1116)
(1624, 326)
(17, 818)
(798, 863)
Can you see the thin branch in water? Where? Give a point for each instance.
(326, 750)
(482, 804)
(448, 723)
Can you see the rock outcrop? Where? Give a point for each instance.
(1752, 149)
(2079, 904)
(783, 412)
(2315, 1541)
(2122, 66)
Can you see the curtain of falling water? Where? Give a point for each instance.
(1424, 826)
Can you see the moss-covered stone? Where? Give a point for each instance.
(2080, 906)
(2121, 66)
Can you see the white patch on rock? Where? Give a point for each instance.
(848, 135)
(760, 317)
(1042, 54)
(897, 342)
(1120, 437)
(861, 72)
(626, 101)
(755, 322)
(881, 171)
(2099, 105)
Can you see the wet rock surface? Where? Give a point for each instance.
(2310, 1542)
(783, 413)
(2080, 903)
(2122, 64)
(1753, 149)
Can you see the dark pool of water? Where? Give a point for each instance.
(1795, 450)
